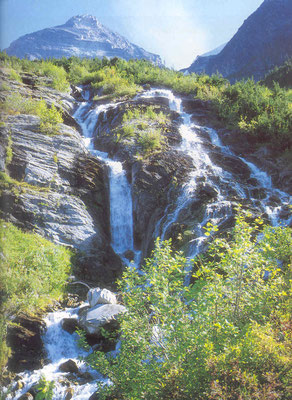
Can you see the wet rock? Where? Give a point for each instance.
(129, 255)
(231, 164)
(258, 193)
(100, 296)
(85, 376)
(152, 184)
(206, 192)
(93, 319)
(69, 366)
(26, 396)
(69, 324)
(26, 343)
(63, 193)
(19, 385)
(94, 396)
(69, 393)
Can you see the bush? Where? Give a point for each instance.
(14, 75)
(150, 141)
(57, 74)
(217, 338)
(50, 118)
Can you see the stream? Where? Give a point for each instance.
(196, 140)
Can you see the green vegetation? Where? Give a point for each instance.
(14, 75)
(45, 389)
(263, 114)
(143, 127)
(33, 272)
(281, 75)
(50, 117)
(226, 336)
(259, 113)
(9, 151)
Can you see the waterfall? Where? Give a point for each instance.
(220, 209)
(121, 216)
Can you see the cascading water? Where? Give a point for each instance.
(59, 344)
(121, 218)
(219, 210)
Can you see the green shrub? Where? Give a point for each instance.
(50, 118)
(15, 103)
(45, 389)
(150, 141)
(57, 74)
(14, 75)
(216, 337)
(143, 127)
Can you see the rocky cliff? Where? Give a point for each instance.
(53, 186)
(261, 43)
(80, 36)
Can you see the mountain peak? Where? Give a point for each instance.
(85, 20)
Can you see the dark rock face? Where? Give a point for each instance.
(81, 36)
(261, 43)
(154, 185)
(26, 343)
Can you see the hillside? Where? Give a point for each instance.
(262, 42)
(171, 190)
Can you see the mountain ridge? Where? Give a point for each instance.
(81, 36)
(262, 42)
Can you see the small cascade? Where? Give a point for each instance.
(61, 346)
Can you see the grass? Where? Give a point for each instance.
(50, 117)
(33, 272)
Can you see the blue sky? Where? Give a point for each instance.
(177, 30)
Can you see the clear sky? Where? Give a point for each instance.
(177, 30)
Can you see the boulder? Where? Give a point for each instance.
(69, 366)
(93, 319)
(69, 324)
(100, 296)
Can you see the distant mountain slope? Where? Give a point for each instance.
(281, 75)
(261, 43)
(81, 36)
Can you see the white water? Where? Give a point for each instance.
(60, 346)
(121, 216)
(219, 210)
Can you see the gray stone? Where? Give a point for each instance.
(93, 319)
(100, 296)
